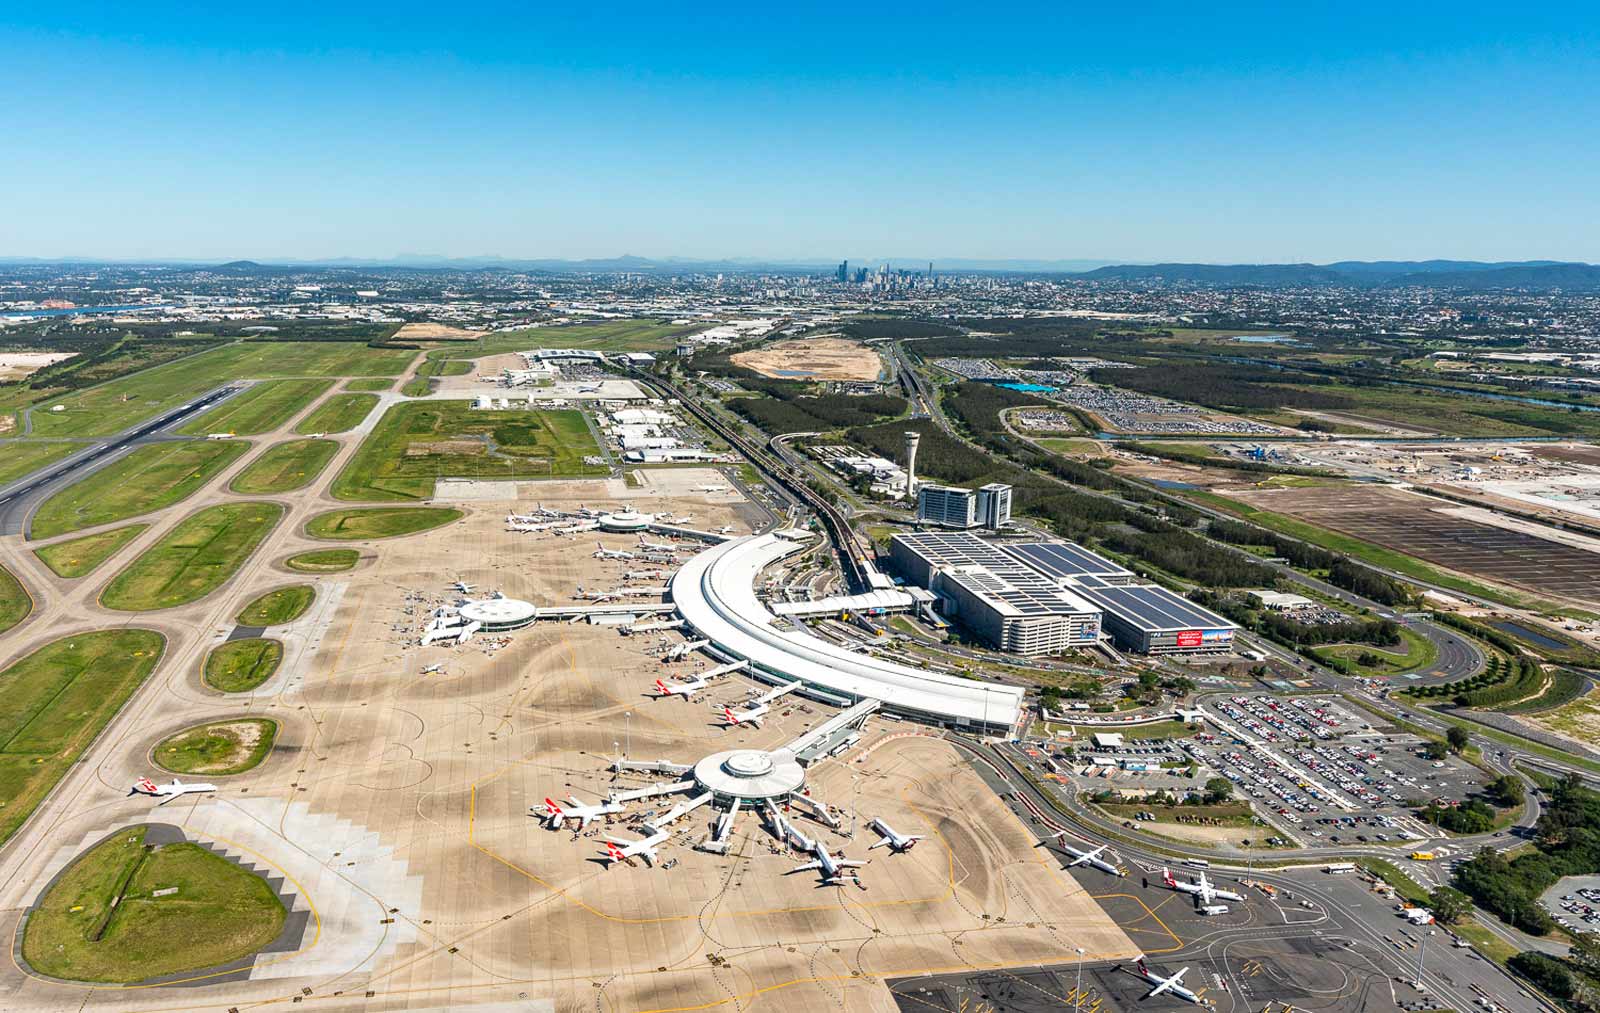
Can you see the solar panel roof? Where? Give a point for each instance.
(1155, 609)
(1062, 559)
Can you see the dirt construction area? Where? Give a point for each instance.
(434, 332)
(1430, 530)
(814, 359)
(400, 808)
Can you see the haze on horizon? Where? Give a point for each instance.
(1166, 133)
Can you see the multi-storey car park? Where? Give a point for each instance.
(1044, 597)
(715, 594)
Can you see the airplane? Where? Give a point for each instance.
(432, 669)
(646, 847)
(463, 587)
(725, 529)
(168, 792)
(682, 650)
(1202, 889)
(644, 575)
(1169, 985)
(556, 814)
(897, 842)
(832, 869)
(525, 528)
(710, 488)
(649, 546)
(687, 690)
(315, 436)
(752, 716)
(601, 552)
(596, 596)
(1091, 858)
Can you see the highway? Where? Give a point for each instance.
(18, 499)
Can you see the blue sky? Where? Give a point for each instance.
(1136, 132)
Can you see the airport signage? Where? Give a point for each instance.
(1190, 638)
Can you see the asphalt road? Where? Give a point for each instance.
(17, 500)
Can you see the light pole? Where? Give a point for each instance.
(1077, 994)
(1422, 947)
(627, 732)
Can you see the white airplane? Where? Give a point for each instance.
(1169, 985)
(649, 546)
(315, 436)
(897, 842)
(601, 552)
(832, 869)
(687, 690)
(710, 488)
(646, 847)
(556, 814)
(1201, 888)
(751, 716)
(524, 527)
(682, 650)
(463, 587)
(644, 575)
(595, 596)
(1090, 858)
(432, 669)
(725, 529)
(167, 792)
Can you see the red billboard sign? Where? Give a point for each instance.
(1190, 638)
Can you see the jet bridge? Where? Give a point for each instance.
(681, 810)
(817, 741)
(650, 791)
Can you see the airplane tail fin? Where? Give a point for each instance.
(1166, 876)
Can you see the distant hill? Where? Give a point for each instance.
(1222, 274)
(1465, 274)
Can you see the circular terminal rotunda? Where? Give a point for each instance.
(626, 521)
(752, 775)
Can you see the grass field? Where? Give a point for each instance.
(57, 700)
(260, 409)
(1154, 730)
(152, 477)
(279, 606)
(1416, 652)
(324, 561)
(1067, 445)
(1230, 814)
(78, 557)
(103, 921)
(15, 604)
(285, 466)
(20, 459)
(113, 407)
(369, 383)
(194, 559)
(416, 443)
(218, 747)
(239, 666)
(378, 522)
(340, 413)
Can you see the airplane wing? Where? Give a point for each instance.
(1159, 988)
(806, 867)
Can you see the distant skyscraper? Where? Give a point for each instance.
(843, 273)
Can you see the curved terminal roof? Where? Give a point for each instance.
(715, 593)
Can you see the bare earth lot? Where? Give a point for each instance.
(435, 332)
(16, 365)
(1414, 525)
(814, 359)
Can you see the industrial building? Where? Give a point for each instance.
(1045, 597)
(953, 507)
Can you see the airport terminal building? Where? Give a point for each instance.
(1038, 598)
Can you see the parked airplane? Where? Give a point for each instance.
(1202, 888)
(751, 716)
(463, 587)
(601, 552)
(832, 869)
(646, 847)
(595, 596)
(710, 488)
(432, 669)
(682, 650)
(645, 575)
(687, 690)
(557, 814)
(725, 529)
(649, 546)
(1090, 858)
(167, 792)
(897, 842)
(1169, 985)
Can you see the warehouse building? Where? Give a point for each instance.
(1045, 597)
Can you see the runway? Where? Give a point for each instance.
(18, 499)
